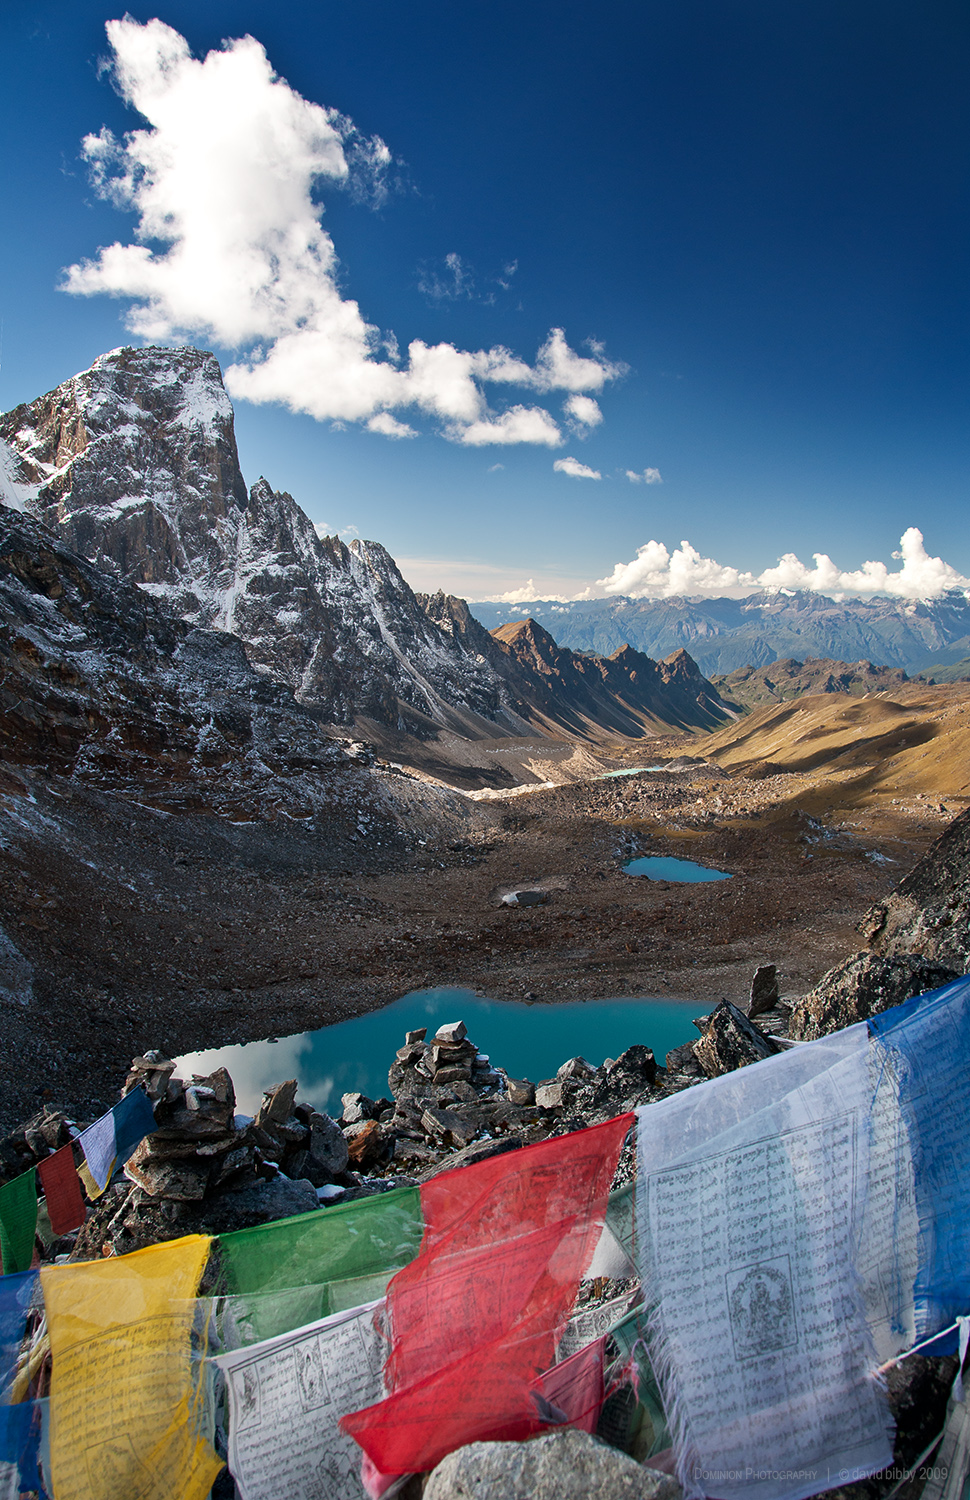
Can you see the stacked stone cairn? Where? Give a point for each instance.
(207, 1168)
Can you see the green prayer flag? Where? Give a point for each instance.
(333, 1244)
(18, 1221)
(619, 1217)
(649, 1433)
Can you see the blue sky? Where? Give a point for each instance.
(757, 213)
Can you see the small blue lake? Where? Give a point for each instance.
(529, 1041)
(660, 867)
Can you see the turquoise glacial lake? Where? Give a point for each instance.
(529, 1041)
(660, 867)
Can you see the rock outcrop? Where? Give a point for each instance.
(104, 685)
(919, 939)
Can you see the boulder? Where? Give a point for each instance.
(453, 1127)
(365, 1144)
(469, 1156)
(277, 1105)
(327, 1153)
(356, 1107)
(520, 1091)
(203, 1108)
(451, 1031)
(731, 1041)
(637, 1065)
(764, 991)
(525, 898)
(259, 1203)
(862, 986)
(682, 1060)
(576, 1067)
(549, 1096)
(566, 1465)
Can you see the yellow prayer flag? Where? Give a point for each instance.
(126, 1398)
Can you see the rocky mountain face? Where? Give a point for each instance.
(725, 634)
(133, 464)
(754, 687)
(626, 693)
(105, 686)
(918, 939)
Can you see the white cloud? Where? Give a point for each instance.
(520, 424)
(229, 246)
(655, 572)
(389, 426)
(920, 577)
(648, 476)
(528, 594)
(450, 283)
(494, 468)
(558, 368)
(583, 413)
(575, 469)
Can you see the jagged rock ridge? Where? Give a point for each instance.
(725, 634)
(101, 684)
(133, 464)
(627, 692)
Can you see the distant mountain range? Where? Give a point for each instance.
(754, 687)
(132, 466)
(725, 634)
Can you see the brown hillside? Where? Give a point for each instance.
(915, 742)
(778, 682)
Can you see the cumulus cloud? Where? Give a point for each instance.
(558, 368)
(583, 414)
(920, 577)
(389, 426)
(655, 572)
(529, 594)
(229, 245)
(646, 476)
(520, 424)
(575, 469)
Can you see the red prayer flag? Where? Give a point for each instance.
(475, 1317)
(575, 1387)
(62, 1189)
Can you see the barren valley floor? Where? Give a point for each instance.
(150, 930)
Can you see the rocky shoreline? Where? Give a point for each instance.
(207, 1168)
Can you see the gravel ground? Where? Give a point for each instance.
(148, 929)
